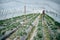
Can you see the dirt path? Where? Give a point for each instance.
(34, 29)
(46, 35)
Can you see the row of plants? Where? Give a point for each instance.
(22, 30)
(13, 19)
(52, 20)
(10, 25)
(39, 35)
(54, 27)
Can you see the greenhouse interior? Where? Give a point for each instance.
(29, 19)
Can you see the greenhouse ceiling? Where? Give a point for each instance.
(11, 8)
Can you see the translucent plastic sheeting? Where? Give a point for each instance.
(12, 8)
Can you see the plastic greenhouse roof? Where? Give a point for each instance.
(11, 8)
